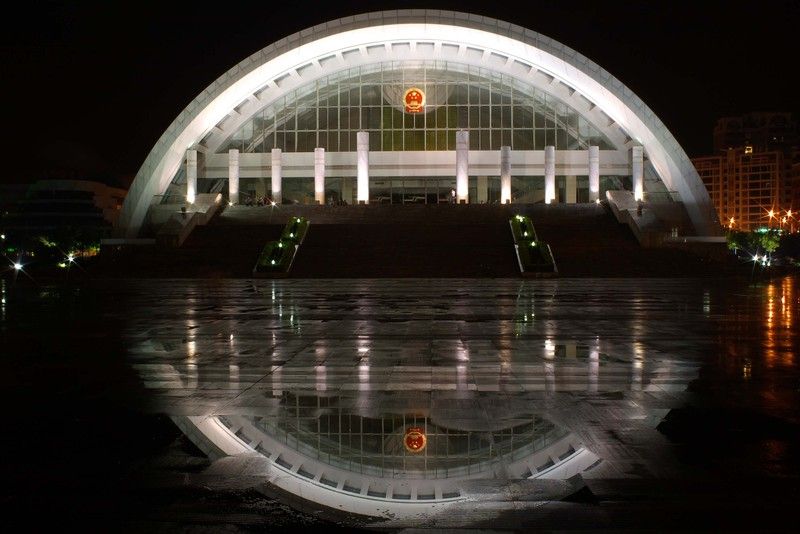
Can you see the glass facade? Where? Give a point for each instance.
(320, 428)
(498, 110)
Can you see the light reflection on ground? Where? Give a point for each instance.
(644, 388)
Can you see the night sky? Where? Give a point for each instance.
(88, 89)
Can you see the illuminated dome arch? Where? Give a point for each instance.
(412, 36)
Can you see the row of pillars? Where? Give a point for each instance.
(462, 172)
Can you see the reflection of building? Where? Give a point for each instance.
(336, 439)
(754, 170)
(322, 450)
(504, 114)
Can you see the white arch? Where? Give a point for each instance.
(370, 38)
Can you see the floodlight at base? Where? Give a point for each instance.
(17, 266)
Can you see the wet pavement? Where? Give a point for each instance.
(559, 404)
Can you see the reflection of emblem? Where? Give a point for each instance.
(415, 440)
(414, 100)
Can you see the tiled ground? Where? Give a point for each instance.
(606, 359)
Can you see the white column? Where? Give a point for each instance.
(276, 175)
(594, 368)
(549, 174)
(322, 378)
(594, 173)
(233, 176)
(191, 175)
(637, 171)
(319, 175)
(571, 189)
(505, 174)
(636, 377)
(462, 166)
(550, 376)
(277, 378)
(483, 189)
(233, 376)
(362, 176)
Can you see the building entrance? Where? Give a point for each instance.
(416, 190)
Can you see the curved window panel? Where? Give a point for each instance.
(498, 110)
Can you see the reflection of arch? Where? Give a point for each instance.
(295, 468)
(407, 36)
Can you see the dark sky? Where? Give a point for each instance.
(88, 89)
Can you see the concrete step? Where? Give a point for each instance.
(386, 241)
(406, 250)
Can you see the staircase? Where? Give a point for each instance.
(398, 249)
(388, 241)
(586, 240)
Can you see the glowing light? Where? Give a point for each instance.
(70, 258)
(362, 350)
(17, 266)
(62, 264)
(272, 203)
(3, 237)
(755, 258)
(280, 245)
(771, 214)
(230, 203)
(597, 201)
(533, 243)
(525, 234)
(291, 234)
(273, 262)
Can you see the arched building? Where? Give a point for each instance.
(411, 106)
